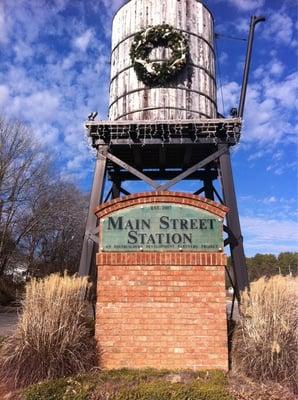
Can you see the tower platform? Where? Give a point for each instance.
(161, 148)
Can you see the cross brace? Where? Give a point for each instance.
(232, 228)
(173, 181)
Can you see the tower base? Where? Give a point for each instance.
(168, 311)
(160, 309)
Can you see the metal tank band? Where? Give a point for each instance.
(180, 88)
(127, 1)
(180, 30)
(190, 64)
(162, 108)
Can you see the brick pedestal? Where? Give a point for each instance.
(162, 310)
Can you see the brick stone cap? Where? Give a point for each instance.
(161, 197)
(162, 259)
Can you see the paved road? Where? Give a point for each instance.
(8, 321)
(236, 310)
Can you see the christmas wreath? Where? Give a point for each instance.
(154, 73)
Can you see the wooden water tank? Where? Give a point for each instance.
(191, 96)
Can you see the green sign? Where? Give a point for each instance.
(161, 227)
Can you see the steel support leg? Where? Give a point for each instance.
(208, 185)
(95, 200)
(116, 187)
(233, 222)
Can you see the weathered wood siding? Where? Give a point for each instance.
(193, 94)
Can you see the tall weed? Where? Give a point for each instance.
(266, 341)
(52, 338)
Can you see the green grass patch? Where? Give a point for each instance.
(134, 385)
(78, 388)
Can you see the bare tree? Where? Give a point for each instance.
(23, 173)
(55, 244)
(41, 218)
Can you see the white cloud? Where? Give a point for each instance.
(269, 235)
(259, 154)
(69, 61)
(82, 42)
(241, 25)
(281, 168)
(22, 51)
(270, 199)
(50, 89)
(223, 57)
(76, 177)
(47, 135)
(40, 106)
(75, 163)
(270, 112)
(277, 68)
(247, 5)
(27, 19)
(279, 208)
(274, 68)
(270, 103)
(106, 10)
(285, 91)
(4, 93)
(231, 94)
(112, 5)
(279, 201)
(279, 28)
(3, 25)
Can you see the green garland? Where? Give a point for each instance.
(155, 73)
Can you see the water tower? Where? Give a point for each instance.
(163, 124)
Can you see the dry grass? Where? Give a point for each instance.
(265, 344)
(243, 388)
(52, 338)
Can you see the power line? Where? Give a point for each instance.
(220, 35)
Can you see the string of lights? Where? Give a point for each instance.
(143, 132)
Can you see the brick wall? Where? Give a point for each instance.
(162, 310)
(161, 197)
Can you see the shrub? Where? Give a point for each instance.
(265, 345)
(52, 338)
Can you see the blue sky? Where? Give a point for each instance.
(54, 70)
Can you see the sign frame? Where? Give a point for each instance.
(161, 227)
